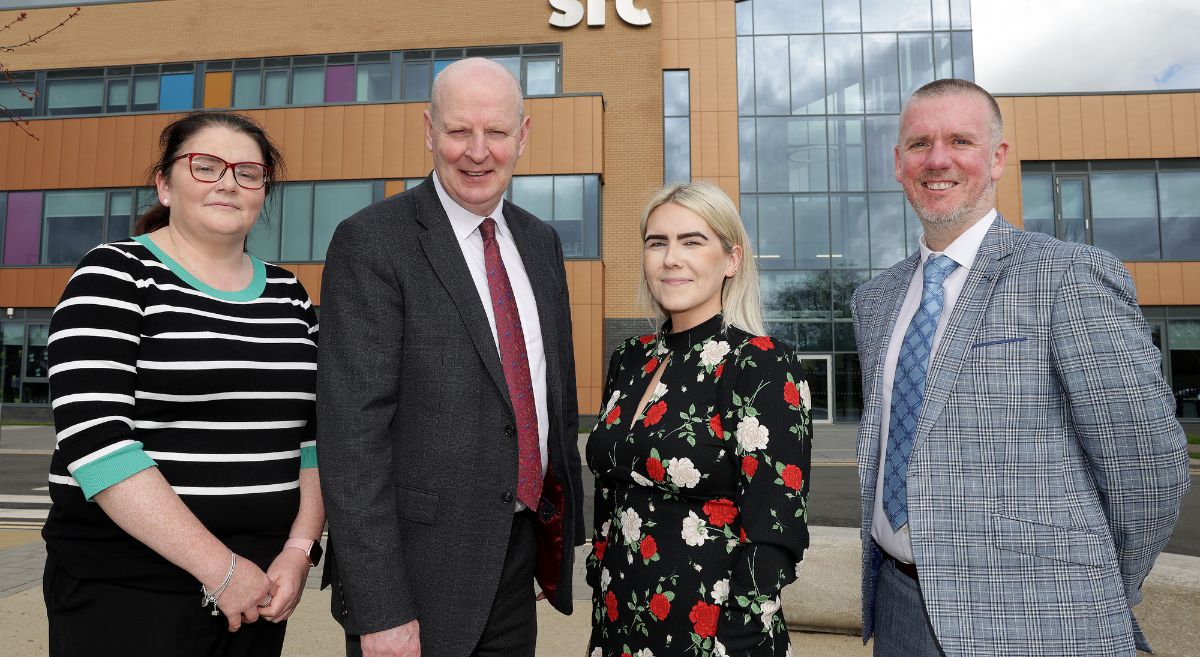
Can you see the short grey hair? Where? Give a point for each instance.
(436, 94)
(958, 87)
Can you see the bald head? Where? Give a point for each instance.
(476, 75)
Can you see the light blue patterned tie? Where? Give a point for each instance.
(908, 391)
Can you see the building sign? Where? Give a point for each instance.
(568, 13)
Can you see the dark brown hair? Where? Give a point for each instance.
(178, 133)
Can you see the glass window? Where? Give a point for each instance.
(887, 229)
(275, 89)
(847, 163)
(916, 62)
(308, 86)
(13, 359)
(676, 93)
(1037, 203)
(1179, 193)
(120, 215)
(812, 232)
(541, 77)
(845, 282)
(847, 391)
(339, 84)
(332, 203)
(118, 96)
(786, 17)
(771, 83)
(807, 75)
(1184, 349)
(10, 96)
(175, 91)
(1125, 213)
(568, 213)
(745, 74)
(263, 240)
(881, 160)
(145, 93)
(247, 88)
(849, 244)
(23, 228)
(843, 68)
(374, 83)
(743, 17)
(37, 365)
(417, 80)
(746, 156)
(795, 294)
(74, 97)
(677, 149)
(440, 65)
(74, 224)
(895, 15)
(513, 64)
(964, 58)
(941, 14)
(942, 60)
(535, 194)
(591, 217)
(792, 155)
(960, 14)
(295, 227)
(776, 239)
(842, 16)
(882, 76)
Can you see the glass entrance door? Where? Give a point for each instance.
(818, 372)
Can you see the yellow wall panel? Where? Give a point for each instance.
(1025, 113)
(1008, 115)
(562, 134)
(1116, 127)
(1190, 274)
(414, 149)
(218, 89)
(727, 93)
(393, 137)
(582, 137)
(30, 168)
(540, 148)
(1047, 128)
(727, 136)
(85, 152)
(352, 140)
(373, 125)
(106, 140)
(8, 287)
(1137, 113)
(1183, 125)
(314, 143)
(709, 144)
(670, 21)
(1162, 141)
(122, 149)
(333, 128)
(725, 20)
(706, 13)
(1170, 283)
(1092, 120)
(689, 22)
(1070, 128)
(1146, 280)
(707, 78)
(670, 54)
(68, 162)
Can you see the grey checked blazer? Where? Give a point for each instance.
(1047, 469)
(415, 430)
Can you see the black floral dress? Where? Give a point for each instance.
(701, 502)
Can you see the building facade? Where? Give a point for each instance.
(791, 106)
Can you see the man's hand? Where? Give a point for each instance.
(402, 641)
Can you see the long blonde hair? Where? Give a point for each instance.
(741, 300)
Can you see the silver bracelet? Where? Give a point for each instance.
(211, 598)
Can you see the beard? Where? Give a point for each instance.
(968, 212)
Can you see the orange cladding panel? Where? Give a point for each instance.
(218, 89)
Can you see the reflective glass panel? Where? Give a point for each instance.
(941, 14)
(11, 359)
(541, 77)
(887, 229)
(568, 213)
(964, 56)
(960, 14)
(1073, 217)
(1124, 212)
(120, 215)
(10, 97)
(535, 194)
(332, 203)
(812, 232)
(916, 62)
(743, 17)
(275, 89)
(881, 158)
(308, 86)
(849, 243)
(676, 93)
(74, 224)
(1179, 193)
(74, 96)
(1184, 352)
(264, 238)
(786, 17)
(23, 228)
(775, 237)
(845, 282)
(842, 16)
(339, 84)
(942, 59)
(513, 64)
(771, 79)
(847, 164)
(746, 156)
(296, 223)
(1037, 203)
(847, 390)
(417, 80)
(37, 365)
(795, 294)
(145, 93)
(843, 69)
(807, 75)
(745, 74)
(677, 149)
(118, 96)
(894, 15)
(247, 88)
(883, 78)
(792, 155)
(175, 92)
(374, 83)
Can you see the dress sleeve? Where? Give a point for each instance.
(95, 336)
(768, 414)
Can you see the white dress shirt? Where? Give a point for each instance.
(963, 250)
(466, 229)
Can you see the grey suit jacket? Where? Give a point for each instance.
(417, 448)
(1047, 469)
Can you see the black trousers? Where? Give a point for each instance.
(100, 619)
(511, 628)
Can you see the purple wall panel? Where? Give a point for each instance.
(339, 84)
(23, 228)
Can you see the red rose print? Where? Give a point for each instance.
(625, 654)
(704, 618)
(720, 368)
(649, 547)
(660, 606)
(793, 477)
(610, 601)
(655, 413)
(714, 423)
(742, 535)
(655, 469)
(791, 394)
(650, 365)
(749, 465)
(762, 342)
(599, 547)
(613, 415)
(646, 339)
(720, 512)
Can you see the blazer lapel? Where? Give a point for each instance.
(963, 325)
(447, 261)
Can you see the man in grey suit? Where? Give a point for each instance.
(446, 397)
(1019, 460)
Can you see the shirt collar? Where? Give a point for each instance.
(463, 220)
(964, 249)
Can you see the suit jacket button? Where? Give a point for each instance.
(510, 431)
(507, 497)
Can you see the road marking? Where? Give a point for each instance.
(25, 499)
(25, 514)
(41, 488)
(19, 525)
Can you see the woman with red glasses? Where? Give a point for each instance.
(183, 374)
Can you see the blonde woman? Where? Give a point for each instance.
(701, 451)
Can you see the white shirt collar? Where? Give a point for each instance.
(964, 249)
(463, 220)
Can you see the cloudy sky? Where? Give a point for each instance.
(1032, 46)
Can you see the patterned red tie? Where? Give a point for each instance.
(515, 361)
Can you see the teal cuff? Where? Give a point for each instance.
(308, 457)
(112, 469)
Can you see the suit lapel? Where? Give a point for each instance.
(963, 325)
(545, 293)
(447, 261)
